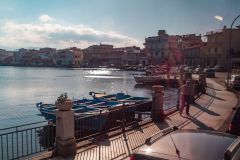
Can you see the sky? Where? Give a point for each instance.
(81, 23)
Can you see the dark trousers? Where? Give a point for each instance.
(187, 102)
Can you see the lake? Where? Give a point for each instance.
(22, 87)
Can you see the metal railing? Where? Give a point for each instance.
(102, 122)
(26, 140)
(171, 102)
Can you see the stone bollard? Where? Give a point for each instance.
(65, 140)
(157, 103)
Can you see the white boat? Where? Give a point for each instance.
(149, 79)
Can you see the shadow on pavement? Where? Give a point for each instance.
(214, 88)
(215, 97)
(203, 109)
(199, 123)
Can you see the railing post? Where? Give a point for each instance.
(124, 118)
(203, 83)
(202, 79)
(187, 76)
(65, 140)
(192, 91)
(157, 103)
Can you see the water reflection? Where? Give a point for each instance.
(99, 72)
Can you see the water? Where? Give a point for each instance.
(22, 87)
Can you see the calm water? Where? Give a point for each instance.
(22, 87)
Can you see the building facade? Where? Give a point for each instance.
(191, 49)
(6, 57)
(72, 57)
(163, 48)
(97, 55)
(217, 47)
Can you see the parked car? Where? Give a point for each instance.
(190, 144)
(234, 81)
(234, 127)
(209, 72)
(219, 68)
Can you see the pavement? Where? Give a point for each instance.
(211, 111)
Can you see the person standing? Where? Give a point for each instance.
(185, 97)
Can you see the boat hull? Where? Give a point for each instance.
(148, 79)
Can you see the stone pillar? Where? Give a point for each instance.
(157, 103)
(65, 140)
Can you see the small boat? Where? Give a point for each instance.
(149, 79)
(119, 97)
(94, 114)
(48, 110)
(88, 118)
(83, 106)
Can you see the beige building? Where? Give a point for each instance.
(72, 57)
(162, 48)
(217, 48)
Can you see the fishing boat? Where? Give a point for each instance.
(48, 110)
(94, 114)
(88, 118)
(155, 79)
(83, 106)
(118, 97)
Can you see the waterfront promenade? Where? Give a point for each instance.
(212, 111)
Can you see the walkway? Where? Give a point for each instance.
(209, 112)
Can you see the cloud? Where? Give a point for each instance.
(219, 18)
(45, 18)
(17, 35)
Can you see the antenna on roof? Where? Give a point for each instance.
(177, 151)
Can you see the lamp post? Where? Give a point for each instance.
(229, 64)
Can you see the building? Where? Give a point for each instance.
(217, 47)
(19, 56)
(72, 57)
(191, 49)
(32, 57)
(163, 48)
(130, 55)
(193, 55)
(6, 57)
(97, 55)
(43, 57)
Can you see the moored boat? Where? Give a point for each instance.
(149, 79)
(118, 97)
